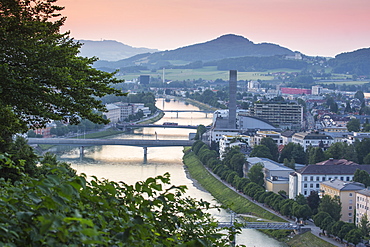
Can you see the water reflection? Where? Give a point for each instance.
(125, 163)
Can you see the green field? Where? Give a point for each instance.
(207, 73)
(211, 73)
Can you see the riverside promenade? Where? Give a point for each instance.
(314, 229)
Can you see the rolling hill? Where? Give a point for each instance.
(226, 46)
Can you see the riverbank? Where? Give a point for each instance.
(240, 204)
(198, 104)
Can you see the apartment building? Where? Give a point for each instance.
(362, 204)
(282, 114)
(308, 179)
(346, 192)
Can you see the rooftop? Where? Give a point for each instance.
(344, 186)
(332, 169)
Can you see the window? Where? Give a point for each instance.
(305, 178)
(305, 192)
(311, 178)
(350, 207)
(350, 194)
(349, 214)
(342, 178)
(317, 178)
(350, 201)
(311, 185)
(347, 179)
(304, 185)
(323, 178)
(317, 186)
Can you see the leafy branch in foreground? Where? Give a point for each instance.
(63, 210)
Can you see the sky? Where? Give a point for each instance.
(313, 27)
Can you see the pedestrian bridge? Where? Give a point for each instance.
(264, 225)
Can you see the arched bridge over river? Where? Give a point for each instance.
(122, 142)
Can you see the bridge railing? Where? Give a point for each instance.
(264, 225)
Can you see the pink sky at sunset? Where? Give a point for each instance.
(313, 27)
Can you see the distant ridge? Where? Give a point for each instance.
(225, 46)
(110, 50)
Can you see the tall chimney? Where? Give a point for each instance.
(232, 99)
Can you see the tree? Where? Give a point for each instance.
(359, 95)
(255, 174)
(362, 176)
(354, 125)
(237, 164)
(364, 226)
(61, 210)
(348, 108)
(331, 206)
(293, 151)
(354, 236)
(319, 218)
(313, 200)
(200, 131)
(261, 151)
(42, 78)
(362, 149)
(271, 145)
(316, 155)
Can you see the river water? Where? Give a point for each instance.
(125, 163)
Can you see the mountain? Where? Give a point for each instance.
(356, 62)
(110, 50)
(226, 46)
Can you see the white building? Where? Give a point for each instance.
(229, 141)
(276, 136)
(309, 177)
(306, 139)
(114, 113)
(317, 90)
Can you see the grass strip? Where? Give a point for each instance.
(221, 192)
(308, 239)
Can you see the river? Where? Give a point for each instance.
(125, 163)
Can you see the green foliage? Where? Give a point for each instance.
(261, 151)
(58, 211)
(41, 75)
(255, 174)
(200, 131)
(353, 125)
(362, 149)
(355, 62)
(271, 145)
(341, 150)
(320, 217)
(332, 206)
(315, 155)
(197, 146)
(353, 236)
(362, 176)
(258, 63)
(293, 151)
(313, 200)
(364, 226)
